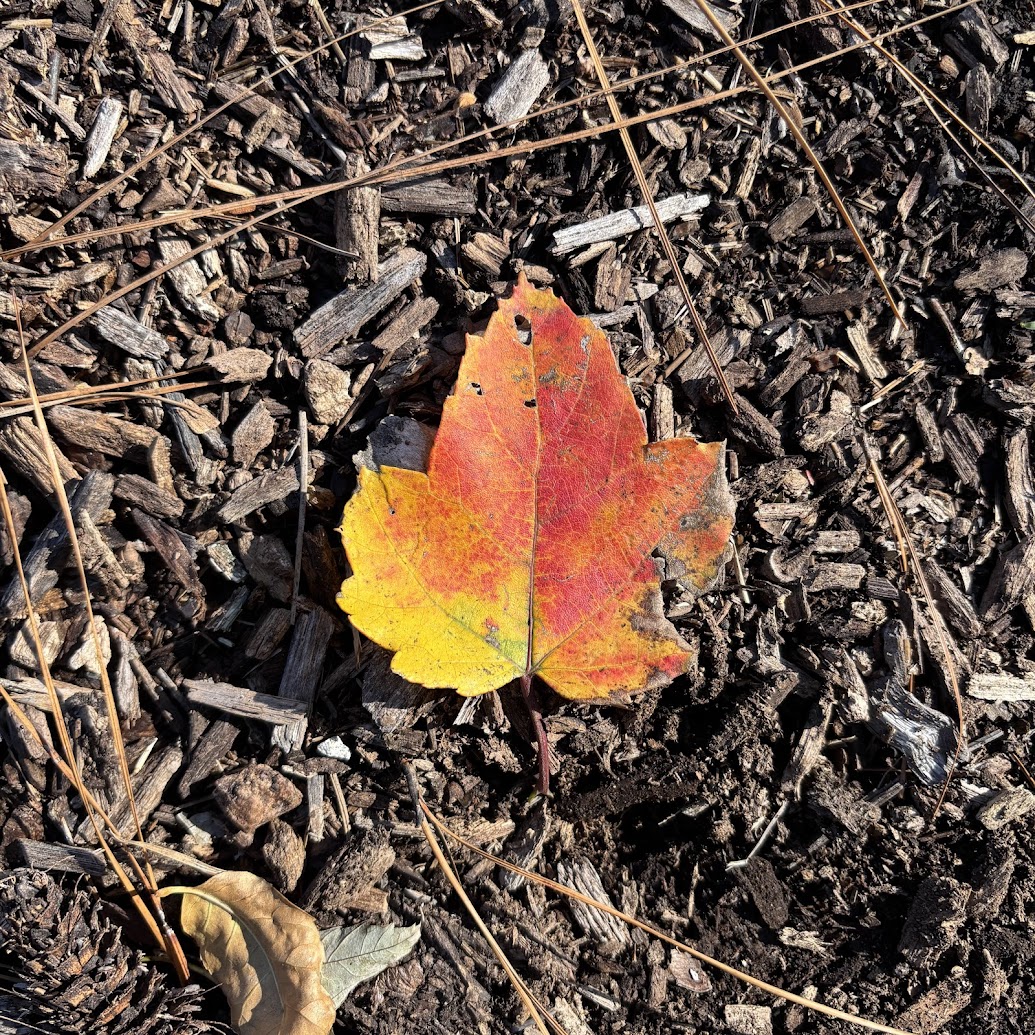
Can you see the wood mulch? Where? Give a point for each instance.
(777, 807)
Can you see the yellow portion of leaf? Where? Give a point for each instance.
(440, 634)
(265, 953)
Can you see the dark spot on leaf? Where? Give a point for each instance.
(530, 403)
(475, 387)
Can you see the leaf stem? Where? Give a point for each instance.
(535, 713)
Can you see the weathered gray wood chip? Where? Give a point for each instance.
(628, 221)
(120, 329)
(273, 485)
(347, 312)
(518, 88)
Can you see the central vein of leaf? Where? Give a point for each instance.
(537, 418)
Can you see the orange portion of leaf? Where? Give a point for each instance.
(265, 953)
(526, 548)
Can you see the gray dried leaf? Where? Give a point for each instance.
(356, 954)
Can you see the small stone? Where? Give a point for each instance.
(334, 747)
(1006, 807)
(255, 795)
(326, 391)
(284, 854)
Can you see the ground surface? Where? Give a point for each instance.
(799, 708)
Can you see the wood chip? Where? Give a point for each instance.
(993, 686)
(21, 445)
(187, 278)
(579, 873)
(252, 435)
(628, 221)
(518, 88)
(327, 391)
(1003, 267)
(102, 133)
(27, 168)
(242, 364)
(690, 13)
(792, 218)
(430, 195)
(121, 330)
(250, 497)
(303, 669)
(246, 704)
(357, 224)
(346, 313)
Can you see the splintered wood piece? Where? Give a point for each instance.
(250, 497)
(258, 106)
(27, 168)
(518, 88)
(90, 429)
(809, 749)
(579, 873)
(48, 555)
(134, 488)
(486, 252)
(1011, 579)
(121, 330)
(22, 446)
(154, 63)
(48, 855)
(187, 278)
(1020, 484)
(859, 339)
(406, 326)
(148, 788)
(303, 669)
(430, 196)
(268, 634)
(627, 221)
(357, 224)
(211, 748)
(252, 435)
(171, 548)
(992, 686)
(102, 134)
(246, 704)
(690, 13)
(347, 312)
(926, 738)
(1006, 266)
(930, 433)
(391, 40)
(792, 218)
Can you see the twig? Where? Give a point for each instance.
(303, 491)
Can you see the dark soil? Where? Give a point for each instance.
(821, 703)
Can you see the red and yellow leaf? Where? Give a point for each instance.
(526, 548)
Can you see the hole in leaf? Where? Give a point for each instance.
(475, 387)
(523, 327)
(530, 403)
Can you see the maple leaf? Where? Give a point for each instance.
(526, 548)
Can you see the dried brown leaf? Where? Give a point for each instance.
(265, 952)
